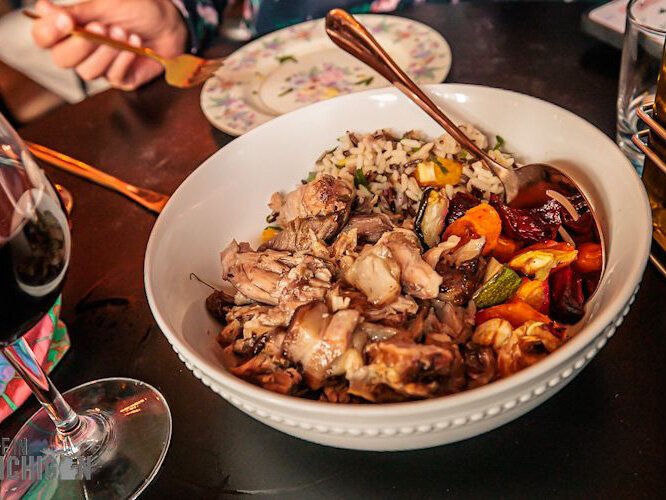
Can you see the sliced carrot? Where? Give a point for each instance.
(505, 249)
(549, 245)
(486, 222)
(589, 258)
(516, 313)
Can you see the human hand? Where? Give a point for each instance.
(156, 24)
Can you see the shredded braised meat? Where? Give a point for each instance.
(352, 300)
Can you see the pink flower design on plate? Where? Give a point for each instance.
(381, 27)
(401, 35)
(303, 33)
(273, 44)
(331, 74)
(222, 102)
(218, 84)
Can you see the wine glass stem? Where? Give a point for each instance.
(21, 357)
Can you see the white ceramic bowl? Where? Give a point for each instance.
(226, 198)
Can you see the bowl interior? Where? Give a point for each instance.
(226, 197)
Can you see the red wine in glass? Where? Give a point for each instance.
(33, 264)
(104, 439)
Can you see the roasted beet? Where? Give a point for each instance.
(460, 203)
(529, 224)
(584, 229)
(567, 300)
(590, 282)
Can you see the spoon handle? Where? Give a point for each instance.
(351, 36)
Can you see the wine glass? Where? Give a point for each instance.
(104, 439)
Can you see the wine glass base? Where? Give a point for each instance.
(135, 423)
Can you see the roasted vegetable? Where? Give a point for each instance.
(492, 333)
(438, 172)
(589, 258)
(505, 249)
(535, 293)
(527, 345)
(542, 222)
(430, 217)
(540, 259)
(583, 230)
(484, 220)
(460, 203)
(533, 196)
(517, 348)
(453, 170)
(590, 283)
(469, 251)
(497, 289)
(567, 301)
(548, 245)
(529, 225)
(494, 266)
(269, 233)
(516, 313)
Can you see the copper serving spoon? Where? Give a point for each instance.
(351, 36)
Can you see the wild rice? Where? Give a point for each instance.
(389, 161)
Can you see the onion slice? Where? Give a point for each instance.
(559, 197)
(565, 236)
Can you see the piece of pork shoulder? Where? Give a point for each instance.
(418, 278)
(316, 338)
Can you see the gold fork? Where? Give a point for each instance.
(182, 71)
(151, 200)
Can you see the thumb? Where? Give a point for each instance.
(53, 25)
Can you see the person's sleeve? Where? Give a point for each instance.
(202, 18)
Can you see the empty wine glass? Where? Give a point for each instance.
(104, 439)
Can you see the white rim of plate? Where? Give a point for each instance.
(229, 90)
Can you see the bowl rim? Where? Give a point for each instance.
(587, 335)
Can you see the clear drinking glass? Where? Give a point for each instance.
(104, 439)
(644, 37)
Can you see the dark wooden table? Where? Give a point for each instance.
(602, 436)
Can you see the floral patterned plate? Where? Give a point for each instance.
(299, 65)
